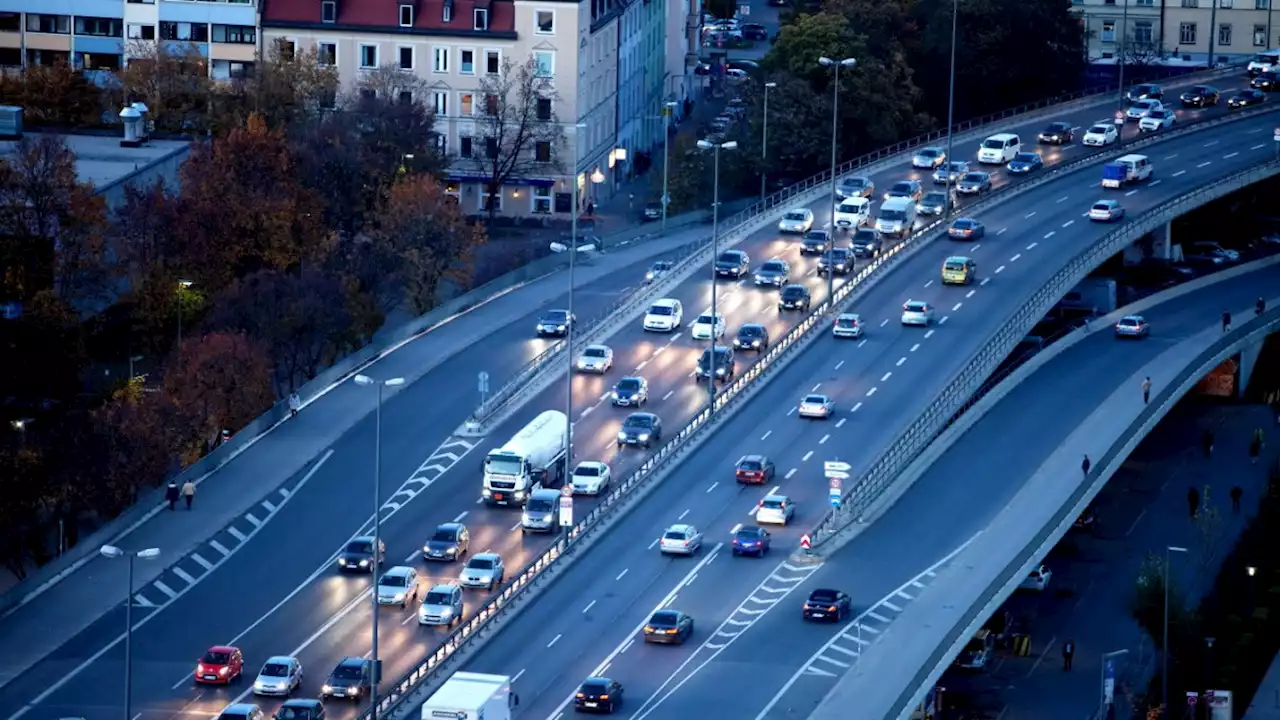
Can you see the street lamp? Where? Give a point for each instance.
(597, 177)
(715, 233)
(1124, 40)
(668, 109)
(764, 145)
(112, 552)
(835, 127)
(951, 109)
(1252, 572)
(366, 381)
(182, 289)
(1164, 648)
(568, 337)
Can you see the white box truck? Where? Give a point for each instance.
(471, 696)
(535, 457)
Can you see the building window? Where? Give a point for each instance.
(1224, 34)
(185, 32)
(546, 63)
(98, 27)
(1143, 32)
(442, 145)
(329, 11)
(406, 58)
(467, 104)
(1145, 3)
(446, 14)
(453, 189)
(441, 104)
(327, 54)
(465, 148)
(487, 200)
(491, 148)
(406, 15)
(1261, 5)
(492, 62)
(287, 49)
(544, 109)
(239, 34)
(406, 97)
(1187, 33)
(491, 104)
(441, 62)
(11, 22)
(542, 151)
(141, 32)
(546, 22)
(480, 19)
(59, 24)
(1109, 31)
(368, 56)
(1225, 4)
(1259, 35)
(541, 201)
(1190, 3)
(467, 61)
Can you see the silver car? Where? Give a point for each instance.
(441, 606)
(929, 158)
(398, 586)
(483, 571)
(595, 359)
(680, 540)
(280, 675)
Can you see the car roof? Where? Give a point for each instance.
(799, 209)
(752, 530)
(959, 220)
(921, 303)
(815, 397)
(596, 346)
(279, 659)
(398, 570)
(631, 377)
(1002, 136)
(751, 458)
(1108, 203)
(223, 648)
(752, 326)
(957, 258)
(666, 302)
(1133, 157)
(302, 702)
(680, 527)
(849, 316)
(775, 260)
(352, 661)
(777, 498)
(1139, 318)
(486, 556)
(795, 286)
(362, 538)
(591, 463)
(443, 587)
(642, 416)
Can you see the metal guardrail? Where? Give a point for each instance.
(944, 408)
(511, 390)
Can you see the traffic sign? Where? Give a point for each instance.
(566, 490)
(836, 466)
(566, 511)
(1277, 134)
(566, 502)
(483, 381)
(1192, 697)
(805, 543)
(837, 474)
(835, 482)
(834, 496)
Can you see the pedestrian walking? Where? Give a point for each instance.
(188, 492)
(1146, 390)
(1257, 437)
(1068, 652)
(224, 436)
(1206, 442)
(1260, 307)
(1255, 449)
(171, 494)
(295, 404)
(1226, 322)
(1086, 465)
(1237, 492)
(591, 208)
(1193, 502)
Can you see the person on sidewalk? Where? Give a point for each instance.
(1086, 465)
(1193, 502)
(171, 494)
(1226, 322)
(1146, 390)
(188, 492)
(1206, 442)
(1068, 652)
(1237, 492)
(1257, 436)
(295, 404)
(1255, 449)
(1260, 307)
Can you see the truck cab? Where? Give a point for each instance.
(535, 457)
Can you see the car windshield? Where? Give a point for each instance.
(629, 384)
(634, 421)
(975, 646)
(749, 465)
(595, 686)
(216, 658)
(352, 672)
(935, 197)
(1025, 157)
(275, 670)
(1199, 90)
(794, 215)
(479, 563)
(1102, 206)
(1143, 105)
(1058, 127)
(1099, 129)
(443, 535)
(436, 598)
(660, 310)
(674, 535)
(394, 580)
(595, 352)
(865, 235)
(893, 215)
(773, 266)
(901, 187)
(587, 471)
(360, 547)
(963, 224)
(665, 618)
(855, 182)
(751, 331)
(538, 505)
(1129, 321)
(851, 206)
(954, 265)
(930, 152)
(956, 167)
(973, 177)
(993, 144)
(750, 534)
(816, 235)
(915, 307)
(556, 316)
(823, 596)
(705, 319)
(793, 291)
(293, 713)
(1161, 114)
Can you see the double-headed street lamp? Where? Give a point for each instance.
(1164, 648)
(668, 109)
(568, 336)
(835, 134)
(716, 147)
(366, 381)
(112, 552)
(951, 112)
(764, 145)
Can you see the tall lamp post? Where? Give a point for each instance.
(113, 552)
(951, 109)
(183, 285)
(835, 134)
(597, 177)
(568, 338)
(366, 381)
(1164, 648)
(668, 108)
(764, 145)
(715, 238)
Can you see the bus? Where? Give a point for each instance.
(1264, 62)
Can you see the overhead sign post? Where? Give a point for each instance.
(566, 510)
(482, 383)
(837, 472)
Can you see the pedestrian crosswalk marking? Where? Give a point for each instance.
(219, 547)
(186, 576)
(236, 533)
(202, 562)
(165, 589)
(253, 520)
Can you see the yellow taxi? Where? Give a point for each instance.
(958, 270)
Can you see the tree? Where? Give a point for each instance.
(1211, 533)
(23, 485)
(518, 132)
(172, 79)
(691, 179)
(724, 9)
(1140, 54)
(136, 439)
(54, 95)
(220, 380)
(285, 89)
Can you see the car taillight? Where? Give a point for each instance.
(831, 608)
(604, 697)
(580, 695)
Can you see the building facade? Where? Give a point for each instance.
(1178, 32)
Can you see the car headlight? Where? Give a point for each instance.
(519, 494)
(526, 518)
(648, 275)
(342, 561)
(398, 597)
(614, 394)
(560, 328)
(486, 492)
(755, 343)
(364, 563)
(451, 551)
(224, 670)
(354, 689)
(326, 688)
(622, 436)
(446, 612)
(582, 364)
(644, 437)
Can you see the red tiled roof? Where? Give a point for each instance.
(384, 15)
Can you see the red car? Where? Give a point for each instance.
(753, 470)
(220, 665)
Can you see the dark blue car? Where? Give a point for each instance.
(1024, 163)
(751, 541)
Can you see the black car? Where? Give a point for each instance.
(1058, 133)
(630, 391)
(1024, 163)
(865, 242)
(1268, 81)
(826, 604)
(640, 428)
(754, 31)
(598, 694)
(556, 323)
(350, 679)
(448, 543)
(837, 260)
(1245, 98)
(1200, 96)
(668, 626)
(357, 556)
(652, 211)
(794, 297)
(300, 709)
(732, 263)
(933, 203)
(815, 242)
(1145, 91)
(905, 188)
(752, 337)
(721, 364)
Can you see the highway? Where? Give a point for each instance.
(283, 596)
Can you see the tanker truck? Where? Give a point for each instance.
(535, 457)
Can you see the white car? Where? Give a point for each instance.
(708, 326)
(596, 359)
(917, 312)
(398, 586)
(815, 406)
(1143, 108)
(664, 315)
(775, 510)
(590, 478)
(1161, 119)
(796, 220)
(1101, 134)
(1038, 579)
(1106, 211)
(853, 213)
(442, 605)
(928, 158)
(848, 325)
(680, 540)
(280, 675)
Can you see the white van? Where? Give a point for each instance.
(999, 149)
(897, 216)
(1137, 167)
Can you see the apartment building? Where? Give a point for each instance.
(1178, 31)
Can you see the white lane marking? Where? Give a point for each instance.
(683, 514)
(713, 486)
(669, 394)
(871, 392)
(976, 246)
(884, 322)
(1211, 143)
(201, 561)
(517, 675)
(515, 527)
(970, 294)
(734, 530)
(864, 342)
(1063, 199)
(1258, 146)
(891, 606)
(928, 283)
(956, 306)
(904, 595)
(412, 557)
(886, 376)
(1032, 246)
(237, 534)
(654, 544)
(586, 412)
(186, 576)
(1000, 269)
(914, 347)
(622, 574)
(1068, 223)
(877, 616)
(270, 506)
(855, 407)
(554, 640)
(1001, 231)
(219, 547)
(589, 606)
(460, 516)
(928, 335)
(790, 472)
(900, 361)
(840, 422)
(1154, 183)
(824, 439)
(1029, 215)
(1050, 234)
(1228, 156)
(944, 319)
(1170, 157)
(985, 280)
(807, 456)
(792, 410)
(1015, 257)
(1205, 164)
(839, 364)
(815, 388)
(1180, 172)
(1131, 192)
(766, 434)
(165, 589)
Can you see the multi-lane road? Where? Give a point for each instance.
(282, 596)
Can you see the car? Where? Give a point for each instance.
(966, 228)
(1057, 133)
(1132, 326)
(484, 570)
(733, 263)
(397, 586)
(865, 242)
(350, 678)
(796, 220)
(959, 270)
(974, 183)
(836, 260)
(917, 312)
(1268, 81)
(716, 361)
(556, 323)
(752, 541)
(1106, 211)
(1024, 163)
(640, 428)
(852, 213)
(815, 406)
(652, 211)
(708, 326)
(280, 675)
(928, 158)
(590, 477)
(631, 391)
(934, 202)
(752, 336)
(754, 31)
(300, 709)
(449, 542)
(1145, 91)
(658, 270)
(1037, 580)
(595, 359)
(794, 297)
(1161, 119)
(848, 325)
(1200, 96)
(856, 186)
(753, 470)
(241, 711)
(951, 172)
(1142, 108)
(442, 605)
(775, 272)
(1213, 249)
(668, 626)
(1246, 98)
(358, 555)
(905, 188)
(1101, 134)
(219, 665)
(664, 315)
(1088, 519)
(722, 123)
(743, 64)
(680, 539)
(598, 695)
(815, 242)
(827, 604)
